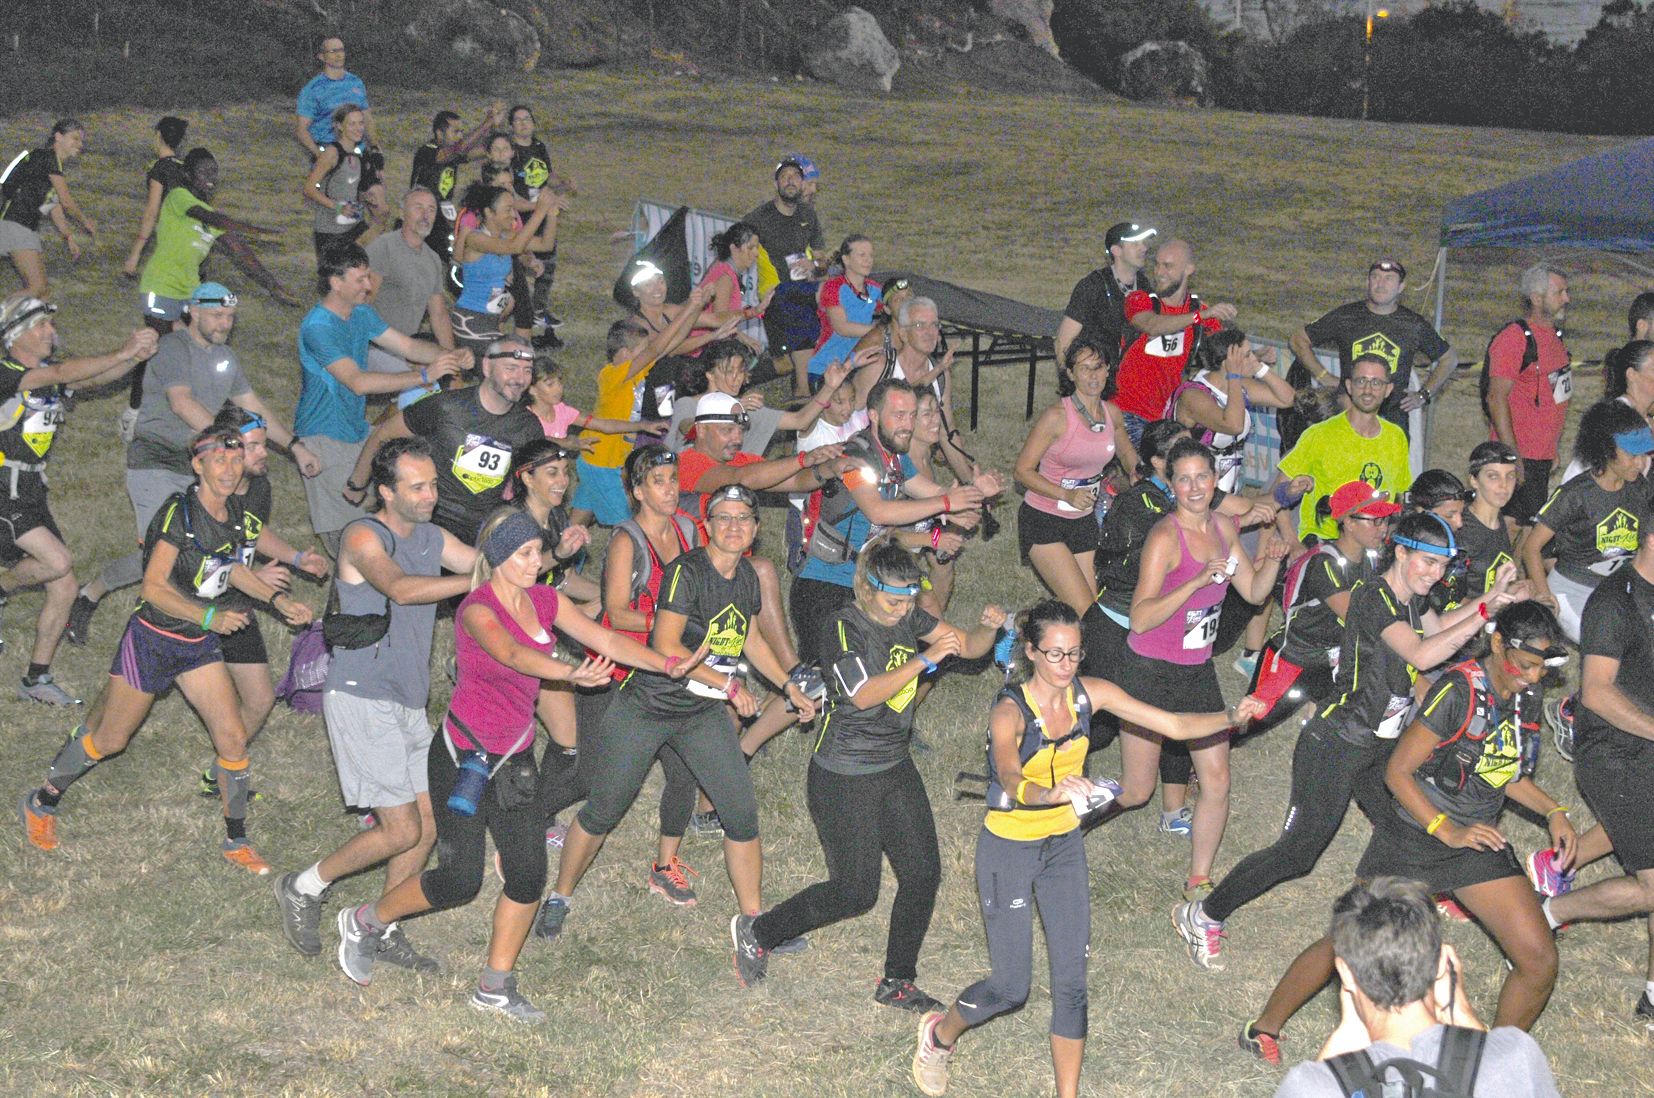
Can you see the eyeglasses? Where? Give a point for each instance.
(1059, 655)
(1373, 520)
(1368, 382)
(926, 325)
(329, 50)
(726, 519)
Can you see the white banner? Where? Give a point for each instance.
(699, 228)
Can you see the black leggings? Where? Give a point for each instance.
(518, 834)
(862, 819)
(563, 779)
(1327, 771)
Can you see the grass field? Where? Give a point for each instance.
(134, 961)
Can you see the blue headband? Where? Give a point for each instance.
(891, 589)
(510, 536)
(1636, 442)
(1448, 550)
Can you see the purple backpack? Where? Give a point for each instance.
(301, 688)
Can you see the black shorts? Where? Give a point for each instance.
(150, 659)
(1399, 849)
(1176, 687)
(1035, 527)
(324, 241)
(790, 320)
(17, 518)
(245, 645)
(1532, 493)
(1615, 774)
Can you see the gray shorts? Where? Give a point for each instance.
(379, 749)
(149, 488)
(157, 307)
(18, 238)
(328, 510)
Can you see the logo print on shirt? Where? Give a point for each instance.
(1377, 344)
(899, 655)
(1372, 474)
(1617, 533)
(728, 629)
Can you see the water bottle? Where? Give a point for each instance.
(1005, 648)
(468, 786)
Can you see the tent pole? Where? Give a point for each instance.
(1441, 286)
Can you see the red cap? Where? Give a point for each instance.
(1359, 497)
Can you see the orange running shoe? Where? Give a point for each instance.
(240, 852)
(39, 822)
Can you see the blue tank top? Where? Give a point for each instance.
(485, 279)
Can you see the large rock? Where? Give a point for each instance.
(1033, 16)
(479, 31)
(1165, 71)
(854, 53)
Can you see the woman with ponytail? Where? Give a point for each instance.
(845, 305)
(1224, 380)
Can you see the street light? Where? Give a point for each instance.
(1367, 55)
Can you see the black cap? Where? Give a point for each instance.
(1388, 265)
(1126, 232)
(789, 162)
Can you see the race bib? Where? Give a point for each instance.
(1069, 484)
(1610, 564)
(1200, 627)
(1229, 468)
(499, 301)
(41, 418)
(1169, 345)
(450, 212)
(1562, 385)
(1395, 714)
(481, 463)
(723, 665)
(212, 579)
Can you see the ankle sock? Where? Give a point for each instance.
(310, 883)
(371, 921)
(492, 979)
(1550, 919)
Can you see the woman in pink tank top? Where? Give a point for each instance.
(1061, 466)
(1190, 560)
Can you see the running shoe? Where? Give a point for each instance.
(1451, 908)
(509, 1002)
(1547, 879)
(358, 948)
(240, 852)
(548, 924)
(545, 318)
(750, 958)
(1203, 936)
(1180, 823)
(79, 629)
(547, 341)
(903, 995)
(1265, 1046)
(1246, 664)
(127, 424)
(930, 1060)
(556, 834)
(706, 825)
(301, 915)
(208, 788)
(45, 691)
(1559, 716)
(39, 822)
(1645, 1007)
(394, 948)
(1198, 890)
(672, 881)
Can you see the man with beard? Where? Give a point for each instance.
(1527, 384)
(31, 410)
(789, 234)
(1380, 325)
(410, 279)
(1356, 445)
(1098, 303)
(917, 364)
(436, 168)
(1163, 328)
(878, 489)
(375, 699)
(473, 432)
(194, 373)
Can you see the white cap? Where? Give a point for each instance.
(719, 408)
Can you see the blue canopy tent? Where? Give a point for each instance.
(1603, 203)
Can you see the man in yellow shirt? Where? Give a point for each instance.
(1357, 444)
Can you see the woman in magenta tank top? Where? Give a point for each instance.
(1190, 559)
(1061, 467)
(503, 642)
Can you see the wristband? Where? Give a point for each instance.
(823, 404)
(1263, 369)
(1282, 493)
(1022, 785)
(930, 665)
(349, 487)
(1562, 808)
(206, 619)
(298, 555)
(648, 621)
(424, 376)
(947, 505)
(1435, 824)
(672, 662)
(803, 460)
(733, 688)
(585, 420)
(1481, 608)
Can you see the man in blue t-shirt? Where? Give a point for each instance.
(331, 418)
(879, 490)
(328, 90)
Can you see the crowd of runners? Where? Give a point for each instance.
(1407, 625)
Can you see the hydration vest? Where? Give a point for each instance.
(1032, 741)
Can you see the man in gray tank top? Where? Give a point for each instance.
(389, 563)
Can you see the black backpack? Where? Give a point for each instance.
(1530, 357)
(1453, 1075)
